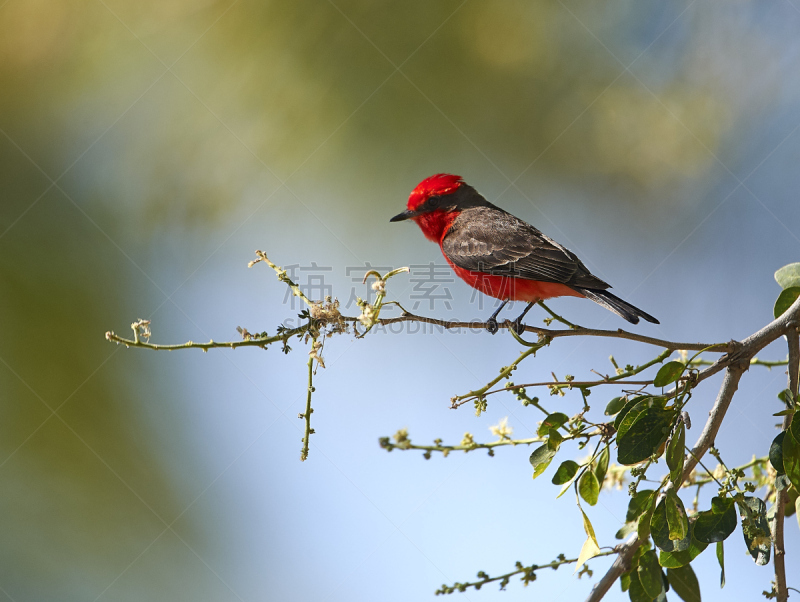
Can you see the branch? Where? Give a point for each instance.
(467, 445)
(527, 572)
(736, 363)
(753, 362)
(249, 341)
(793, 339)
(282, 276)
(505, 372)
(571, 384)
(554, 334)
(409, 317)
(309, 409)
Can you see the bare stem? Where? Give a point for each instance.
(780, 499)
(753, 362)
(556, 317)
(309, 409)
(282, 276)
(553, 334)
(251, 341)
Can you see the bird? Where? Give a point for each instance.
(499, 254)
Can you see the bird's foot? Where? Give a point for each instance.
(518, 326)
(491, 326)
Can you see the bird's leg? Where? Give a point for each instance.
(491, 324)
(518, 327)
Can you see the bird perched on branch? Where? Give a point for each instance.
(499, 254)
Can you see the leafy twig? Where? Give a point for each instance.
(528, 574)
(402, 441)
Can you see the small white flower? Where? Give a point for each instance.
(501, 429)
(366, 315)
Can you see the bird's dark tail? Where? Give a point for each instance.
(618, 306)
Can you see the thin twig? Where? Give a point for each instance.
(780, 499)
(252, 341)
(459, 400)
(283, 276)
(753, 362)
(526, 572)
(553, 334)
(556, 317)
(607, 380)
(386, 444)
(309, 409)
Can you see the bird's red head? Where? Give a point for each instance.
(426, 208)
(438, 185)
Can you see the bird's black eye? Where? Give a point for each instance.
(432, 203)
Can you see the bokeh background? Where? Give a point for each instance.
(146, 150)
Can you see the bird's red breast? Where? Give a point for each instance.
(515, 289)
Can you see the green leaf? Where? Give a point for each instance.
(629, 405)
(629, 528)
(590, 547)
(565, 472)
(554, 439)
(641, 501)
(645, 520)
(588, 528)
(797, 509)
(676, 517)
(755, 528)
(790, 453)
(649, 573)
(721, 560)
(602, 465)
(668, 373)
(540, 459)
(660, 528)
(674, 560)
(615, 405)
(788, 276)
(786, 397)
(589, 488)
(625, 581)
(718, 523)
(675, 455)
(776, 453)
(785, 412)
(589, 550)
(684, 583)
(553, 421)
(636, 591)
(791, 499)
(785, 300)
(645, 435)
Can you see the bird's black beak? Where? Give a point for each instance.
(403, 216)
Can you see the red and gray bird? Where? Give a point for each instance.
(501, 255)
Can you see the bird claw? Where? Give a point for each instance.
(518, 327)
(491, 326)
